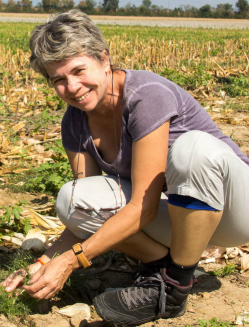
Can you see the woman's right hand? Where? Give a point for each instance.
(16, 279)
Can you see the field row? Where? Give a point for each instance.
(203, 68)
(139, 21)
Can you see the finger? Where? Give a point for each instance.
(44, 293)
(14, 283)
(48, 293)
(43, 288)
(34, 267)
(7, 280)
(36, 286)
(51, 294)
(36, 276)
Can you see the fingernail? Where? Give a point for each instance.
(7, 289)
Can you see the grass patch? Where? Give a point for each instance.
(16, 303)
(239, 106)
(12, 305)
(224, 271)
(214, 323)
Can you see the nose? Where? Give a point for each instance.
(73, 85)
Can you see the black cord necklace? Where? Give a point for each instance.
(116, 150)
(115, 140)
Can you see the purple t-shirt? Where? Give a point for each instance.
(149, 100)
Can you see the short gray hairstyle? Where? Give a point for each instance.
(64, 36)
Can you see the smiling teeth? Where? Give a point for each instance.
(82, 97)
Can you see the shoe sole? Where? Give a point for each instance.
(179, 314)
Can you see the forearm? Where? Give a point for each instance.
(120, 227)
(123, 225)
(60, 246)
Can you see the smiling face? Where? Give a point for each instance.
(82, 81)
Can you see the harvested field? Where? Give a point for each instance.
(141, 21)
(212, 65)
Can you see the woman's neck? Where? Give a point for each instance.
(113, 99)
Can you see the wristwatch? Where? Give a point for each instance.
(77, 249)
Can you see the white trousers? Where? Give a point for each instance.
(199, 165)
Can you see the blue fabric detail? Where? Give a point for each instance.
(188, 202)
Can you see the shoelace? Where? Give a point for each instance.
(137, 291)
(143, 272)
(131, 295)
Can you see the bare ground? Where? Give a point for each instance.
(225, 299)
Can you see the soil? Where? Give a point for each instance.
(225, 298)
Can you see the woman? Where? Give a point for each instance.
(138, 128)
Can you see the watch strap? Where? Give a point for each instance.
(77, 249)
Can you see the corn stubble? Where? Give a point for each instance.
(203, 68)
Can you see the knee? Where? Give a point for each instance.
(64, 201)
(196, 151)
(95, 194)
(197, 165)
(74, 212)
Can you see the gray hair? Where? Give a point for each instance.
(64, 36)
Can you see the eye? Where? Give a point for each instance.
(80, 71)
(57, 81)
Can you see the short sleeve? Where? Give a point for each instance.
(150, 105)
(71, 127)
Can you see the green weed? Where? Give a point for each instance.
(236, 86)
(17, 303)
(12, 220)
(225, 271)
(239, 106)
(12, 305)
(214, 322)
(44, 120)
(21, 259)
(50, 177)
(232, 137)
(189, 81)
(47, 178)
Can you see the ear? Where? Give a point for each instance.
(106, 61)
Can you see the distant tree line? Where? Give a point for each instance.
(111, 7)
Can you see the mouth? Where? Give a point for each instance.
(82, 97)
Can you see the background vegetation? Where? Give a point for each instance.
(214, 72)
(211, 64)
(223, 10)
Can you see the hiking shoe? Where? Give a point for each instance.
(149, 298)
(150, 268)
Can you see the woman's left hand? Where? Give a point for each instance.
(50, 278)
(16, 279)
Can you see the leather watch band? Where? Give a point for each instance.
(77, 249)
